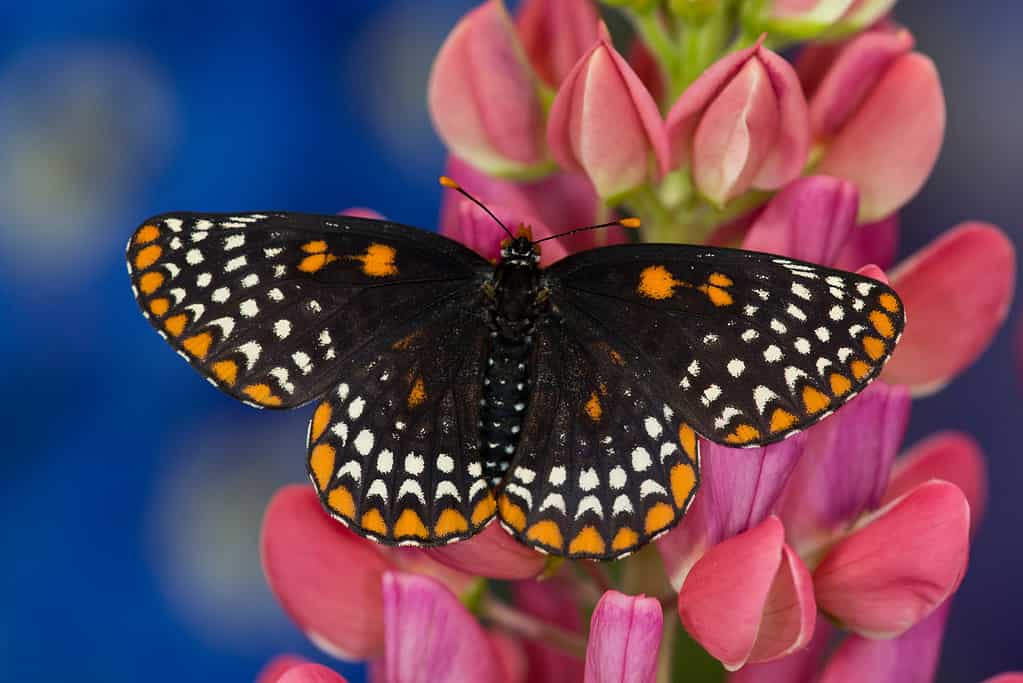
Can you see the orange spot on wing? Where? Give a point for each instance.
(744, 433)
(198, 345)
(261, 393)
(321, 462)
(658, 517)
(840, 384)
(176, 324)
(147, 233)
(616, 357)
(314, 247)
(687, 438)
(717, 296)
(150, 282)
(720, 279)
(374, 522)
(311, 264)
(321, 418)
(450, 522)
(159, 306)
(593, 408)
(378, 261)
(883, 324)
(624, 539)
(417, 394)
(340, 501)
(655, 282)
(148, 256)
(874, 347)
(484, 510)
(683, 482)
(814, 401)
(547, 533)
(587, 542)
(859, 369)
(512, 514)
(226, 371)
(781, 420)
(410, 524)
(889, 302)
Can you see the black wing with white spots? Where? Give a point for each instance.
(750, 347)
(268, 306)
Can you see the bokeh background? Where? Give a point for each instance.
(131, 492)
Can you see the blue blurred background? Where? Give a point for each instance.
(132, 492)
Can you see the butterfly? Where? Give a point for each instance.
(564, 401)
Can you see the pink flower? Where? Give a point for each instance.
(310, 673)
(554, 602)
(557, 34)
(625, 636)
(749, 598)
(604, 123)
(483, 96)
(879, 114)
(741, 125)
(491, 553)
(275, 668)
(1007, 677)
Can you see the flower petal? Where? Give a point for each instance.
(483, 97)
(799, 667)
(550, 600)
(913, 656)
(890, 573)
(1007, 677)
(491, 553)
(625, 637)
(311, 673)
(361, 212)
(951, 456)
(431, 636)
(957, 292)
(276, 667)
(812, 219)
(326, 578)
(875, 243)
(790, 613)
(722, 601)
(474, 228)
(889, 145)
(556, 34)
(511, 655)
(846, 467)
(738, 489)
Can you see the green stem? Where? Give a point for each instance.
(666, 655)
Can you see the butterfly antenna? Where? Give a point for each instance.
(451, 184)
(624, 222)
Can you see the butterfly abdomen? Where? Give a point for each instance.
(505, 398)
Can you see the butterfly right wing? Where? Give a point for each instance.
(394, 447)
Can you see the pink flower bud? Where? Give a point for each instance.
(625, 636)
(275, 668)
(431, 636)
(879, 113)
(483, 96)
(904, 561)
(741, 125)
(750, 598)
(556, 34)
(326, 578)
(605, 124)
(491, 553)
(310, 673)
(957, 292)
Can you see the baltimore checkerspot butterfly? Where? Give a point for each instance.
(565, 401)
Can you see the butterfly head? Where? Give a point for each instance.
(520, 249)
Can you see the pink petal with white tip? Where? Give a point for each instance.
(276, 667)
(900, 564)
(957, 292)
(556, 34)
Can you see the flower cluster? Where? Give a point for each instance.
(708, 133)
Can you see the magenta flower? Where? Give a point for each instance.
(557, 34)
(625, 635)
(605, 124)
(741, 125)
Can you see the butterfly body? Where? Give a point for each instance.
(564, 401)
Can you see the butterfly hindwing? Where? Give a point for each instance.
(267, 306)
(394, 446)
(604, 465)
(753, 347)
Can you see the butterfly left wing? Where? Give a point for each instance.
(748, 347)
(267, 306)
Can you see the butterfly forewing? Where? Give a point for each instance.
(267, 306)
(604, 464)
(394, 446)
(752, 347)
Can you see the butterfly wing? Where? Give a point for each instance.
(604, 464)
(268, 306)
(394, 447)
(748, 347)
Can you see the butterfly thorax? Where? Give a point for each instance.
(515, 300)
